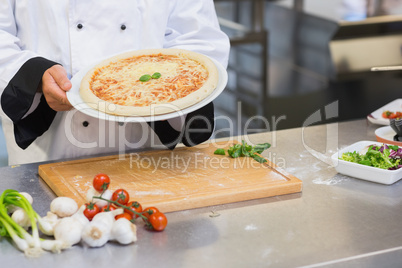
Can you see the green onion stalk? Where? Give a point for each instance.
(12, 197)
(31, 245)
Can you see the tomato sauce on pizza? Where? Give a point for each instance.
(119, 82)
(141, 83)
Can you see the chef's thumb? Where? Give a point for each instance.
(60, 77)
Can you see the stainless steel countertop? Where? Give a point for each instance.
(336, 221)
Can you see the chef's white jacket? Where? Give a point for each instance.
(76, 34)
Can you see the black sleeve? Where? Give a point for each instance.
(18, 96)
(197, 128)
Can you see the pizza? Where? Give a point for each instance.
(149, 82)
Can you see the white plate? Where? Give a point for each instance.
(362, 171)
(386, 135)
(74, 97)
(376, 116)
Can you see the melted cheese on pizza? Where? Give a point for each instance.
(119, 82)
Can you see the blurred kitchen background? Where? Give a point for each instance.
(291, 59)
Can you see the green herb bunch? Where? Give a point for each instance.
(245, 150)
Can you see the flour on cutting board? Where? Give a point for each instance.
(168, 179)
(77, 181)
(275, 176)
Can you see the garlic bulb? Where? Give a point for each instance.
(102, 203)
(68, 230)
(124, 231)
(90, 194)
(98, 231)
(79, 215)
(107, 194)
(96, 234)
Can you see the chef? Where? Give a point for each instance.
(44, 43)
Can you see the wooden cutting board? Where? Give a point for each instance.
(175, 180)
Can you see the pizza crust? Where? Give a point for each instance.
(154, 109)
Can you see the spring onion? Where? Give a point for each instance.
(30, 244)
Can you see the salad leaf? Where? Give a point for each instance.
(385, 157)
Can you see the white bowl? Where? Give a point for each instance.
(362, 171)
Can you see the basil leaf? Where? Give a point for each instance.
(245, 149)
(259, 158)
(235, 151)
(156, 75)
(220, 151)
(145, 78)
(259, 148)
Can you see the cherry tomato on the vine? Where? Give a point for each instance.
(149, 211)
(101, 182)
(107, 208)
(158, 221)
(133, 205)
(124, 215)
(91, 210)
(121, 196)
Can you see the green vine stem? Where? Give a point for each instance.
(122, 206)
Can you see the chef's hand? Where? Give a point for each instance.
(55, 84)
